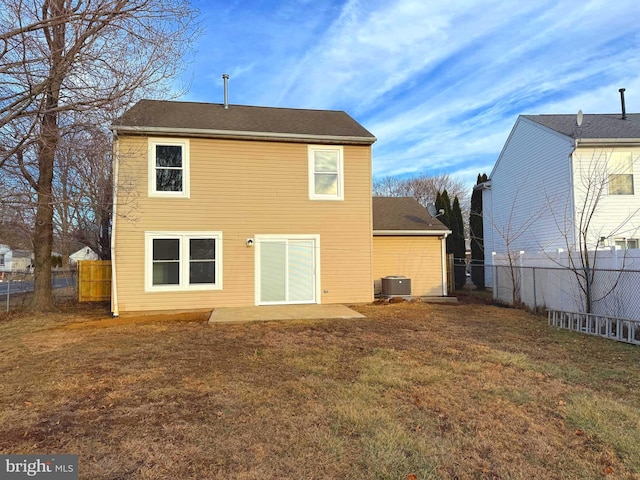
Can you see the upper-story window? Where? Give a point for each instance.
(620, 168)
(168, 167)
(326, 177)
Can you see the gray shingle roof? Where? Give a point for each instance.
(594, 126)
(213, 120)
(403, 214)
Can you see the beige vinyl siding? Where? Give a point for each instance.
(244, 188)
(416, 257)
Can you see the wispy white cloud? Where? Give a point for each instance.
(439, 83)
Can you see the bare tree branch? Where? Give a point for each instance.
(61, 60)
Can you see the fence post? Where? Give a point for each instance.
(495, 276)
(8, 292)
(535, 300)
(588, 277)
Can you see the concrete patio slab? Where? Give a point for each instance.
(281, 312)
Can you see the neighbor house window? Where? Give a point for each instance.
(326, 180)
(620, 167)
(168, 167)
(183, 261)
(2, 259)
(626, 243)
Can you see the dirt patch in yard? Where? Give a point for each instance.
(138, 319)
(436, 391)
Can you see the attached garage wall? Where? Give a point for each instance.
(418, 258)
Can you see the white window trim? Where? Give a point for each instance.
(184, 238)
(312, 183)
(181, 142)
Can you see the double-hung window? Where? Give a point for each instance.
(620, 167)
(326, 172)
(168, 167)
(626, 243)
(183, 261)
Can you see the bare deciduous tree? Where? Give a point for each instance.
(423, 188)
(62, 56)
(511, 230)
(583, 231)
(84, 190)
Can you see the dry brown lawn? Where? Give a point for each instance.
(414, 391)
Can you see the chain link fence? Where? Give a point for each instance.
(16, 288)
(610, 292)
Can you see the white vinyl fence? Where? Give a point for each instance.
(546, 281)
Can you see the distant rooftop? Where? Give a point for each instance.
(239, 121)
(594, 126)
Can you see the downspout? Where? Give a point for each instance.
(443, 251)
(114, 285)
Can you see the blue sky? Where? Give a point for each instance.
(439, 83)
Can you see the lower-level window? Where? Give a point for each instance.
(626, 243)
(183, 260)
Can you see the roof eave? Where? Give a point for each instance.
(623, 142)
(242, 135)
(483, 186)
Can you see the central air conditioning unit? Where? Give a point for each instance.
(395, 285)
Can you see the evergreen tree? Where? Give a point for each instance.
(443, 203)
(452, 218)
(477, 236)
(458, 245)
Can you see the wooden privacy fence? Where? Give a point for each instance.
(94, 280)
(451, 280)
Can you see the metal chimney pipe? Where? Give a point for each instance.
(225, 77)
(624, 110)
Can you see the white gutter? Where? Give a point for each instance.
(623, 142)
(264, 136)
(423, 233)
(114, 285)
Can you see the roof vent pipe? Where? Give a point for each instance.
(225, 77)
(624, 111)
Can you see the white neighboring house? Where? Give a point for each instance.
(14, 260)
(6, 256)
(85, 253)
(554, 173)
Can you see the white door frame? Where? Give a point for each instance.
(280, 236)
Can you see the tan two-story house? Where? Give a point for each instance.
(229, 205)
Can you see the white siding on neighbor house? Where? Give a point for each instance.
(530, 202)
(614, 216)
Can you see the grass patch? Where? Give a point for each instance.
(610, 422)
(436, 391)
